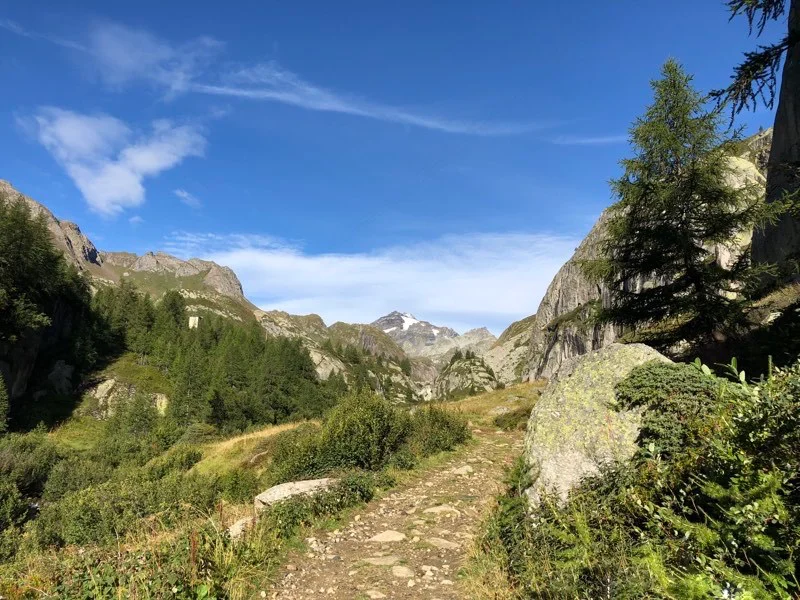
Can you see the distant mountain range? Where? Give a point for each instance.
(210, 288)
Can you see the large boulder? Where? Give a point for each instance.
(574, 428)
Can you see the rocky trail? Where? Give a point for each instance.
(412, 542)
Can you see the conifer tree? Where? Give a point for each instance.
(676, 209)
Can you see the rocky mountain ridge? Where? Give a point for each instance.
(421, 339)
(409, 352)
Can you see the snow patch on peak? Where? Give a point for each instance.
(391, 329)
(435, 331)
(408, 321)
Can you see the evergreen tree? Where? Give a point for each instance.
(676, 207)
(405, 366)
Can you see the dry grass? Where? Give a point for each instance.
(483, 408)
(223, 456)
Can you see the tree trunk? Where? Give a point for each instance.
(777, 242)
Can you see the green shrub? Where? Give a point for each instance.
(198, 433)
(514, 420)
(73, 474)
(362, 432)
(13, 507)
(180, 458)
(239, 486)
(26, 459)
(677, 399)
(435, 430)
(715, 518)
(296, 454)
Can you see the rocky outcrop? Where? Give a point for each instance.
(464, 377)
(215, 277)
(574, 428)
(102, 399)
(507, 357)
(564, 327)
(78, 249)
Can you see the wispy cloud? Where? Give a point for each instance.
(124, 56)
(465, 281)
(188, 199)
(572, 140)
(106, 159)
(271, 82)
(17, 29)
(136, 220)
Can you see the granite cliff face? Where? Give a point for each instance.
(563, 328)
(507, 357)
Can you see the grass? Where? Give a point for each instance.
(227, 455)
(79, 433)
(478, 409)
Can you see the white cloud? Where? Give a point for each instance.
(269, 81)
(462, 281)
(17, 29)
(188, 199)
(572, 140)
(136, 220)
(125, 55)
(108, 161)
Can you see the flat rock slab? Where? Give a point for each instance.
(388, 536)
(293, 488)
(239, 527)
(442, 544)
(382, 561)
(442, 508)
(465, 470)
(401, 571)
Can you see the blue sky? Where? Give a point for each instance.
(345, 158)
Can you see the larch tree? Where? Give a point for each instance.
(676, 209)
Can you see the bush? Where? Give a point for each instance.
(239, 486)
(296, 454)
(435, 430)
(26, 459)
(362, 432)
(178, 459)
(514, 420)
(715, 518)
(677, 399)
(73, 474)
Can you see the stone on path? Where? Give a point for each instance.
(442, 544)
(388, 536)
(382, 561)
(465, 470)
(402, 571)
(293, 488)
(375, 594)
(442, 508)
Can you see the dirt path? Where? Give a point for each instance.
(412, 542)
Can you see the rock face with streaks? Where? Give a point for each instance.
(574, 427)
